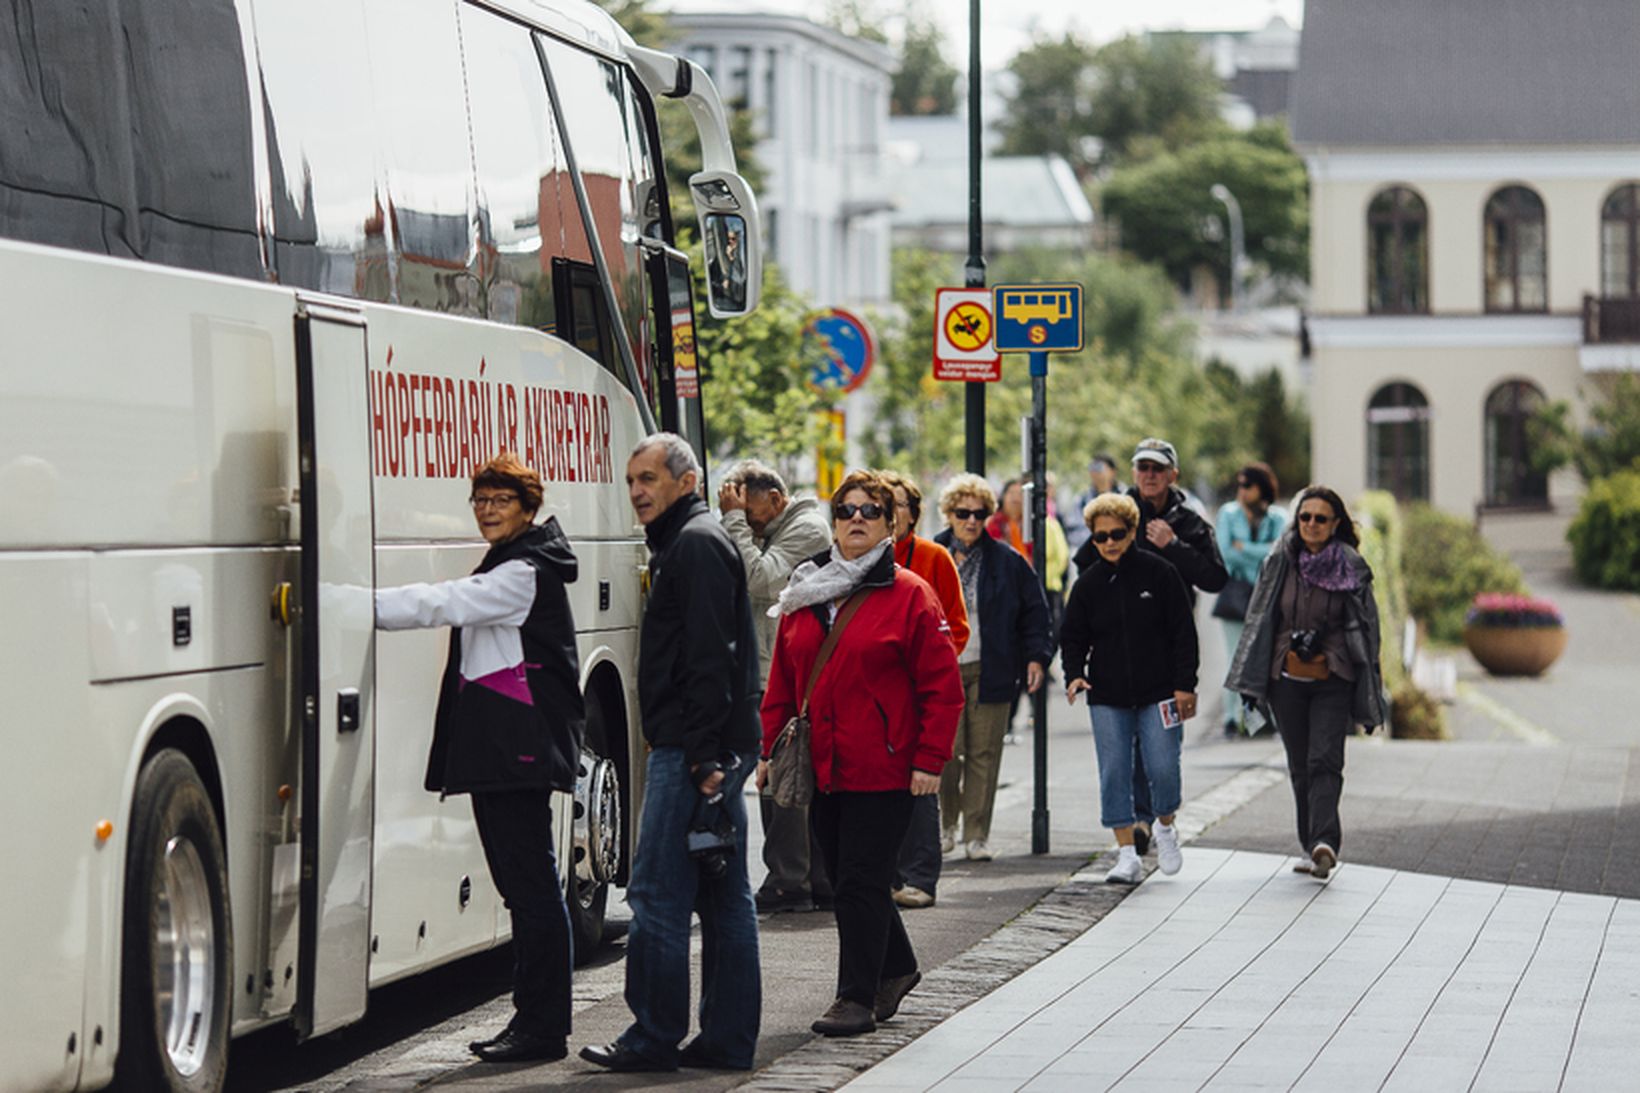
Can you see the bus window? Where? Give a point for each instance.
(606, 134)
(421, 114)
(582, 317)
(190, 130)
(527, 210)
(329, 215)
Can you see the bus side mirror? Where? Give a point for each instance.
(732, 240)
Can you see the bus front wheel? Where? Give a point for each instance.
(596, 836)
(178, 943)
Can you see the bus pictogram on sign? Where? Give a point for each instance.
(1038, 317)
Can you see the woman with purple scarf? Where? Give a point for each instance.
(1310, 651)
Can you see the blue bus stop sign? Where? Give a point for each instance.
(1038, 318)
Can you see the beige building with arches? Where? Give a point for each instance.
(1475, 236)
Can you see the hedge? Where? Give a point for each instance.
(1413, 713)
(1447, 564)
(1605, 536)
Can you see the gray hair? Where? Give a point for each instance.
(680, 457)
(757, 477)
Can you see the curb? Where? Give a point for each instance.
(1055, 920)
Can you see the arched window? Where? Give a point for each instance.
(1620, 244)
(1510, 478)
(1516, 262)
(1397, 253)
(1398, 442)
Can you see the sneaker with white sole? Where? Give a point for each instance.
(1128, 868)
(948, 840)
(1323, 860)
(979, 850)
(1168, 858)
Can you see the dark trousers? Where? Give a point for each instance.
(1313, 719)
(515, 828)
(790, 852)
(920, 857)
(860, 836)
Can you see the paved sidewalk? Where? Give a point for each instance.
(1239, 974)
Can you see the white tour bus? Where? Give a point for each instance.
(277, 275)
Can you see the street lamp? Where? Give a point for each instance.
(1238, 244)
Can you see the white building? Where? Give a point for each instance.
(821, 104)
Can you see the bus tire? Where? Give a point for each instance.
(177, 958)
(595, 822)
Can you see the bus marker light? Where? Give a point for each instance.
(105, 829)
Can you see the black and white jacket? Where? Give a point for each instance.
(510, 714)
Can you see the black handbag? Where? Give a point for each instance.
(1233, 600)
(791, 763)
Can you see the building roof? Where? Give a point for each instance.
(692, 25)
(1444, 72)
(1021, 191)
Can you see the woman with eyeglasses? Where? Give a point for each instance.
(1311, 650)
(1129, 642)
(882, 712)
(1247, 529)
(508, 730)
(1008, 640)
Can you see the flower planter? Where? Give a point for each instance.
(1515, 650)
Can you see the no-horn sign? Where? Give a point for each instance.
(964, 336)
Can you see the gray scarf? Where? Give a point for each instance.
(812, 584)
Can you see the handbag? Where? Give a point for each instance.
(791, 762)
(1233, 600)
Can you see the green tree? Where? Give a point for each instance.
(925, 82)
(1047, 110)
(1162, 205)
(1609, 444)
(1160, 87)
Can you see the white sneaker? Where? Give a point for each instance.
(948, 840)
(1128, 868)
(1168, 858)
(979, 850)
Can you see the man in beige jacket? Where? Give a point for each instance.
(773, 533)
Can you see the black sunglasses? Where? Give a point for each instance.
(970, 514)
(1313, 518)
(1113, 536)
(845, 510)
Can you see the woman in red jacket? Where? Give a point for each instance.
(883, 714)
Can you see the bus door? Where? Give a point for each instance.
(678, 389)
(337, 667)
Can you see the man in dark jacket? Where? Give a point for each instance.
(698, 690)
(1177, 532)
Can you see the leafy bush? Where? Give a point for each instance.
(1448, 564)
(1606, 533)
(1413, 713)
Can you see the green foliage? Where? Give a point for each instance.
(1610, 444)
(1447, 565)
(1414, 714)
(1605, 535)
(648, 28)
(925, 82)
(1102, 105)
(1163, 203)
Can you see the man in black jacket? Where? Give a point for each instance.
(1177, 532)
(698, 689)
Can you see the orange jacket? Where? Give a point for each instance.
(930, 561)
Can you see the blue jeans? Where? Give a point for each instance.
(666, 888)
(1115, 730)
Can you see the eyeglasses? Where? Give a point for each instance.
(970, 514)
(1313, 518)
(871, 510)
(492, 501)
(1148, 467)
(1113, 536)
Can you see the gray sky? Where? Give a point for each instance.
(1009, 24)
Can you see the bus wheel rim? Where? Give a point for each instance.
(184, 957)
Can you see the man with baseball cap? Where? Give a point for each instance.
(1171, 528)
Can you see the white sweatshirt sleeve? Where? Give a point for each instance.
(501, 597)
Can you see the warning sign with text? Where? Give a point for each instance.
(964, 336)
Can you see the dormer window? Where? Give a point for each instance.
(1397, 253)
(1516, 251)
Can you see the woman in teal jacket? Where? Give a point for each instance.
(1248, 528)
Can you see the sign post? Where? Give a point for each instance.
(1039, 319)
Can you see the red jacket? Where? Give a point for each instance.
(932, 562)
(889, 698)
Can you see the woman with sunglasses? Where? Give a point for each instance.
(1129, 641)
(882, 713)
(1008, 640)
(1311, 650)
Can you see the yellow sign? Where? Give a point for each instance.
(968, 326)
(1027, 305)
(828, 472)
